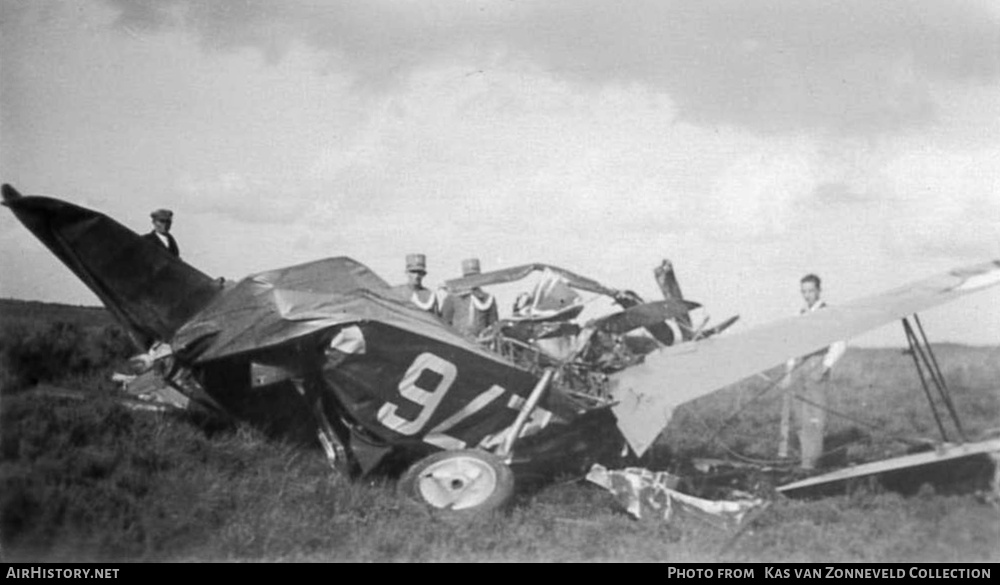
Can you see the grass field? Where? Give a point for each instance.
(91, 480)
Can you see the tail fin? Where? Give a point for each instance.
(150, 292)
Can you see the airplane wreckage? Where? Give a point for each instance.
(390, 389)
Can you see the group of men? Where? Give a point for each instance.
(474, 310)
(468, 311)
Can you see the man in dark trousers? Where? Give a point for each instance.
(162, 220)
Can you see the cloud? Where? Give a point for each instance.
(520, 153)
(246, 199)
(944, 204)
(854, 67)
(756, 195)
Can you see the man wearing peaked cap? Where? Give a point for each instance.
(162, 221)
(415, 291)
(474, 310)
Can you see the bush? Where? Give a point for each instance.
(48, 352)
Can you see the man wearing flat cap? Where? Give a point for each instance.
(474, 310)
(415, 291)
(162, 220)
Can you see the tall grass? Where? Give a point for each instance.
(31, 353)
(95, 481)
(878, 408)
(92, 480)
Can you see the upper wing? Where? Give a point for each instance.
(648, 393)
(518, 272)
(271, 308)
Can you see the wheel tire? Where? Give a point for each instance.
(458, 485)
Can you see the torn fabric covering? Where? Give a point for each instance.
(652, 494)
(271, 308)
(516, 273)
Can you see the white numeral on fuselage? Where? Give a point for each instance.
(427, 399)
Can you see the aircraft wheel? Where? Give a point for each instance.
(459, 484)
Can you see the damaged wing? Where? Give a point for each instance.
(516, 273)
(149, 291)
(275, 307)
(648, 393)
(644, 315)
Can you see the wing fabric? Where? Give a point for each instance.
(149, 291)
(516, 273)
(648, 393)
(271, 308)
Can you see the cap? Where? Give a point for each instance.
(416, 263)
(470, 266)
(164, 214)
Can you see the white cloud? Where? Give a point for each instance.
(854, 66)
(944, 203)
(247, 199)
(755, 197)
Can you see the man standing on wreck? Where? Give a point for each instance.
(162, 220)
(471, 311)
(414, 290)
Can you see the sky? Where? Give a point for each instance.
(749, 142)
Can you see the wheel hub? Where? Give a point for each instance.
(457, 483)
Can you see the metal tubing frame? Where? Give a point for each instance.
(940, 383)
(921, 361)
(507, 448)
(911, 340)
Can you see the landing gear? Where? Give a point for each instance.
(459, 484)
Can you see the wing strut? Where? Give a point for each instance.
(919, 346)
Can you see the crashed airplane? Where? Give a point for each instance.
(391, 389)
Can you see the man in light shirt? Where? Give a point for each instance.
(811, 374)
(162, 220)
